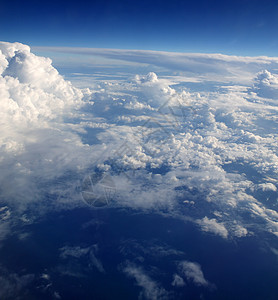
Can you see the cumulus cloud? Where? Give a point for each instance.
(240, 231)
(211, 225)
(150, 288)
(268, 186)
(149, 78)
(163, 145)
(189, 145)
(266, 84)
(270, 216)
(200, 139)
(31, 88)
(193, 272)
(35, 140)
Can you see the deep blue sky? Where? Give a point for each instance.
(246, 27)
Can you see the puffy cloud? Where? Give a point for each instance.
(150, 288)
(197, 140)
(266, 85)
(193, 272)
(163, 145)
(157, 91)
(35, 141)
(149, 78)
(32, 93)
(31, 88)
(178, 281)
(211, 225)
(164, 142)
(268, 186)
(270, 216)
(240, 231)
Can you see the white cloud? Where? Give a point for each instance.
(31, 89)
(240, 231)
(205, 143)
(235, 68)
(149, 78)
(268, 186)
(78, 252)
(150, 288)
(197, 136)
(211, 225)
(266, 84)
(34, 138)
(166, 142)
(178, 281)
(193, 272)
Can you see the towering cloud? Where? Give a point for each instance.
(266, 84)
(34, 99)
(31, 89)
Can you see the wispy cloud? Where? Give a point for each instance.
(193, 272)
(196, 63)
(78, 252)
(150, 288)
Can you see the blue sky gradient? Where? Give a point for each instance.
(240, 27)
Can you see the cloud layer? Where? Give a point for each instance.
(197, 66)
(207, 156)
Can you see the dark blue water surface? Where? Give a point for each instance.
(237, 269)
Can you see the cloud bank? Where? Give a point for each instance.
(164, 146)
(195, 142)
(201, 65)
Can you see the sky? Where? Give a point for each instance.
(238, 27)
